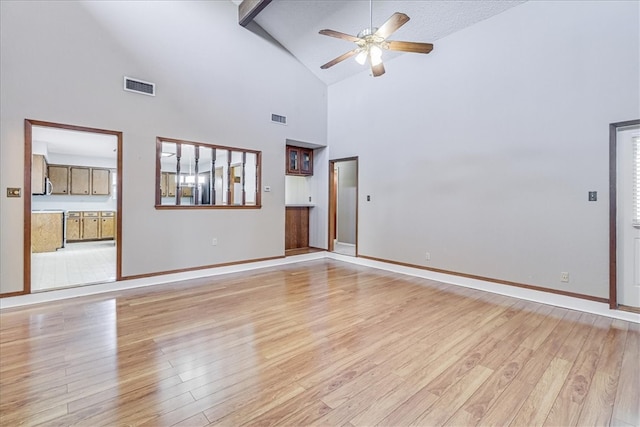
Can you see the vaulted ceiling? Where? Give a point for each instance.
(295, 25)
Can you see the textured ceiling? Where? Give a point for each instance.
(295, 25)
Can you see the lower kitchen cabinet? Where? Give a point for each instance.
(74, 229)
(90, 226)
(296, 228)
(46, 231)
(93, 225)
(107, 225)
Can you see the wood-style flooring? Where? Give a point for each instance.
(314, 343)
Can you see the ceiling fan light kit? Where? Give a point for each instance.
(372, 41)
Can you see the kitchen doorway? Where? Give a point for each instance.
(343, 206)
(72, 206)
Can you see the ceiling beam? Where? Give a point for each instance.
(249, 9)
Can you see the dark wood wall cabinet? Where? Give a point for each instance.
(299, 161)
(296, 228)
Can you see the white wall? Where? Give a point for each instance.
(482, 152)
(216, 82)
(346, 201)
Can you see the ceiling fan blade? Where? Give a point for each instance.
(414, 47)
(339, 35)
(340, 58)
(396, 21)
(377, 70)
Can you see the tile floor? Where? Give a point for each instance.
(75, 264)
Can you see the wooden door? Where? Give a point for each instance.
(79, 180)
(100, 182)
(107, 227)
(90, 226)
(59, 176)
(306, 161)
(73, 226)
(293, 161)
(296, 228)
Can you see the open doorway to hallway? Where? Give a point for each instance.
(343, 206)
(73, 214)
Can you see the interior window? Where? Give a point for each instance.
(200, 175)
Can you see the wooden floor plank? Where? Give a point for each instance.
(537, 405)
(626, 408)
(571, 398)
(314, 343)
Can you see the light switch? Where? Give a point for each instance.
(593, 196)
(13, 192)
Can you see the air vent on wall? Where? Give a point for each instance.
(281, 120)
(139, 86)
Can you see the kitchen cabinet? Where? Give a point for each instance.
(38, 174)
(299, 161)
(74, 229)
(100, 182)
(91, 225)
(107, 225)
(89, 181)
(46, 231)
(168, 184)
(59, 177)
(79, 180)
(296, 227)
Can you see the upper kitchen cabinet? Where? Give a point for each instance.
(299, 161)
(38, 174)
(100, 182)
(80, 180)
(89, 181)
(59, 177)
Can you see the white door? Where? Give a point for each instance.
(628, 221)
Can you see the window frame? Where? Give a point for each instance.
(158, 175)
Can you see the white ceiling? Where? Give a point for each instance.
(295, 25)
(48, 140)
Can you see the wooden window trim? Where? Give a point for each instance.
(198, 145)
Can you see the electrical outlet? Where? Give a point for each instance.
(214, 241)
(564, 277)
(427, 256)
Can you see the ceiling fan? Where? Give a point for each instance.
(371, 41)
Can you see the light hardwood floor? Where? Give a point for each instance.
(314, 343)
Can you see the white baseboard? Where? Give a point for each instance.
(572, 303)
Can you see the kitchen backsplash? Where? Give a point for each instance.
(297, 190)
(74, 203)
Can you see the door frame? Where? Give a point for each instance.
(613, 211)
(333, 198)
(28, 125)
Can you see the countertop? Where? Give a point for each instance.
(306, 205)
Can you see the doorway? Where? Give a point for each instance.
(343, 206)
(72, 206)
(624, 150)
